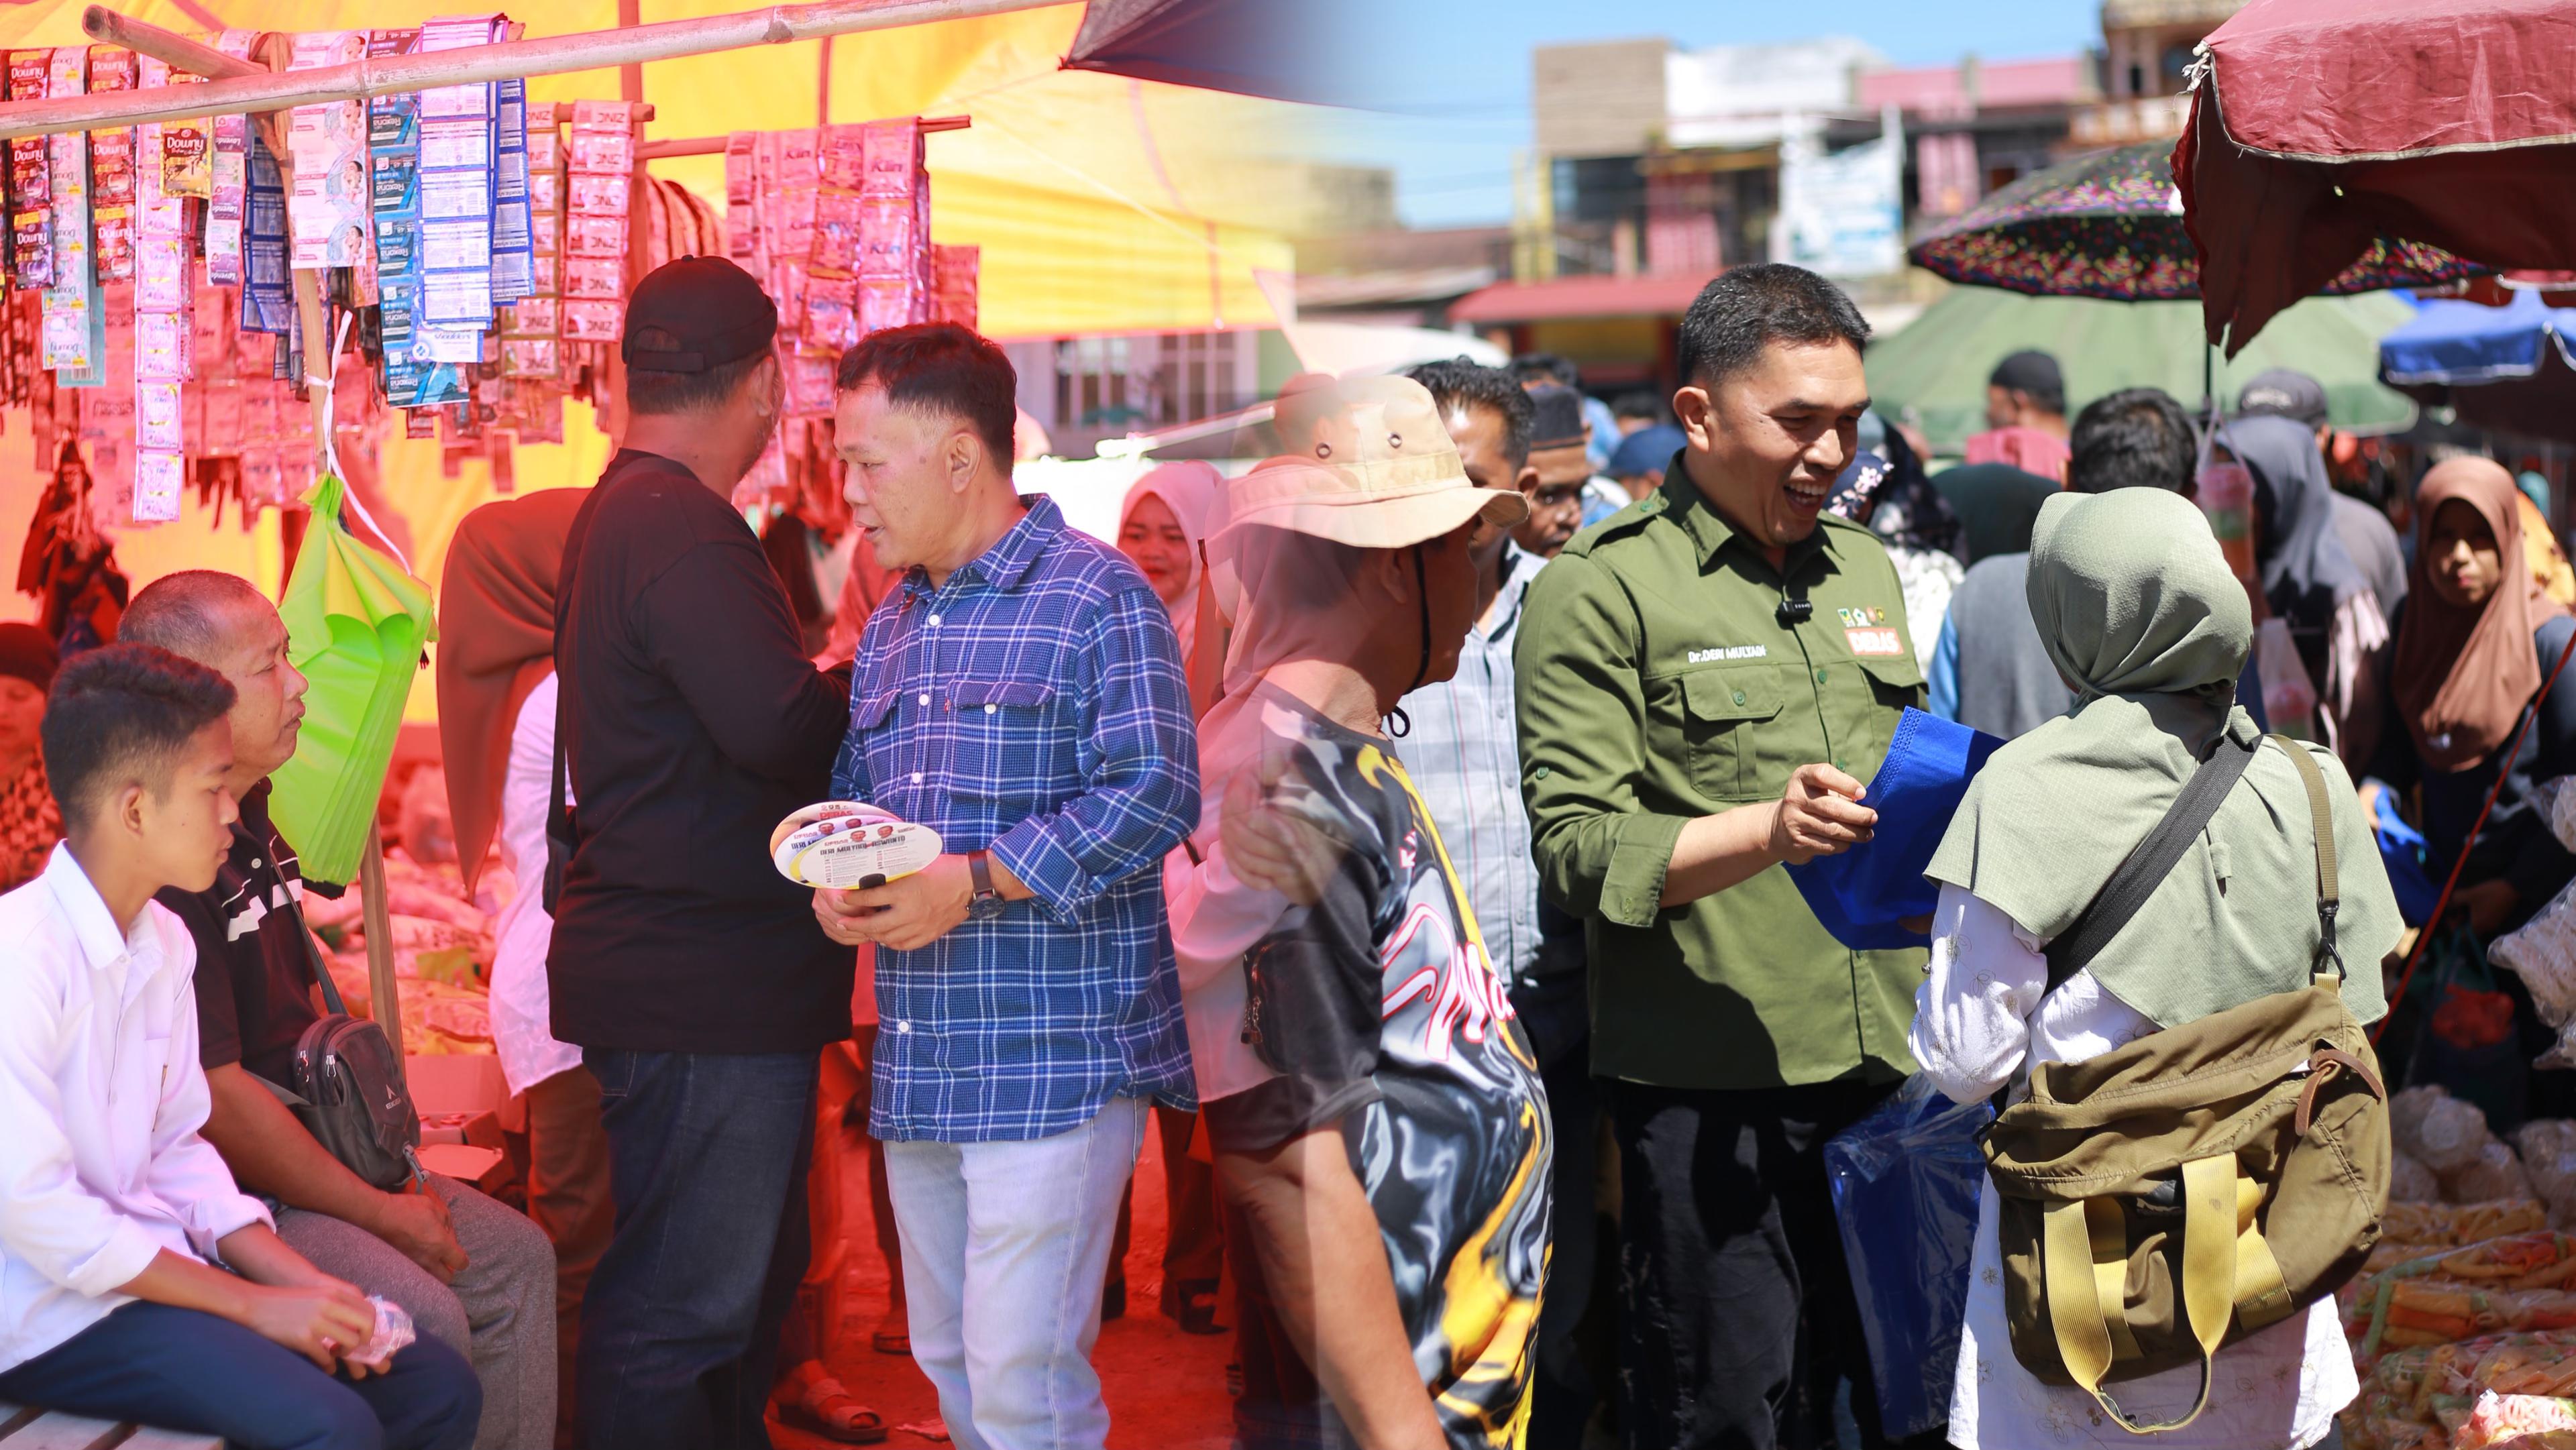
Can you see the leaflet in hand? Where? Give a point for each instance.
(849, 844)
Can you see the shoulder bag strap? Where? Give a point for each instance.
(2146, 867)
(2321, 821)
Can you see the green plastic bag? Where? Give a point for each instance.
(356, 622)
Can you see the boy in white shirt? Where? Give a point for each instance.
(118, 1224)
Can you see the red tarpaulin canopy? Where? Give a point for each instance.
(2321, 124)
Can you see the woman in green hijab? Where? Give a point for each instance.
(2150, 629)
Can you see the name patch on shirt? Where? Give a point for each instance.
(1730, 652)
(1877, 641)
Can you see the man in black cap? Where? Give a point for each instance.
(691, 974)
(2027, 390)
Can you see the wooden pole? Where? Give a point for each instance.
(823, 86)
(551, 55)
(105, 25)
(630, 76)
(715, 145)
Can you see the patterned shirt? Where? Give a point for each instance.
(29, 825)
(1032, 705)
(1385, 1017)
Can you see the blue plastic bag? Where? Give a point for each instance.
(1862, 894)
(2402, 851)
(1905, 1182)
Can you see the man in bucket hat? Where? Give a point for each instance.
(1379, 1126)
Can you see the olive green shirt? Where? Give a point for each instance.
(1658, 682)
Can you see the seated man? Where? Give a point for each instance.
(473, 1274)
(114, 1215)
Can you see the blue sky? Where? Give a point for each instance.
(1456, 73)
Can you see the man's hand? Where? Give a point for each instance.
(415, 1222)
(1271, 849)
(905, 914)
(321, 1324)
(1819, 815)
(2487, 905)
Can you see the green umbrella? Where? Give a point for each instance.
(1939, 363)
(355, 621)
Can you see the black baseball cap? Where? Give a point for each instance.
(2284, 393)
(712, 306)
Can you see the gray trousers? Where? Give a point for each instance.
(499, 1312)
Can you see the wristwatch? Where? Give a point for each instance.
(986, 903)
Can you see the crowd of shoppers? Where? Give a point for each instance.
(1392, 826)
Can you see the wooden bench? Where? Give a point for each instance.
(25, 1429)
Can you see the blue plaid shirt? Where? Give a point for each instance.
(1033, 705)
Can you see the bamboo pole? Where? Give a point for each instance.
(552, 55)
(105, 25)
(715, 145)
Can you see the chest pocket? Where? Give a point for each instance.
(1004, 745)
(1726, 714)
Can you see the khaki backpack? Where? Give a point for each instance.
(2205, 1181)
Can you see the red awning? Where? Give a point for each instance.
(1568, 297)
(2322, 124)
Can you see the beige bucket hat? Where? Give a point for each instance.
(1380, 472)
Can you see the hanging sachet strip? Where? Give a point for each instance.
(268, 294)
(228, 204)
(163, 330)
(456, 177)
(31, 187)
(600, 176)
(513, 245)
(75, 321)
(326, 211)
(111, 68)
(532, 327)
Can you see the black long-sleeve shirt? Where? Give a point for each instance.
(2516, 844)
(692, 723)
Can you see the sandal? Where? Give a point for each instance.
(893, 1334)
(1191, 1303)
(818, 1403)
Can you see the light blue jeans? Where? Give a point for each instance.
(1005, 1246)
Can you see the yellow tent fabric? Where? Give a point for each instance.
(1101, 204)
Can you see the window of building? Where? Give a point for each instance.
(1148, 381)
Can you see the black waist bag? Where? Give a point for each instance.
(349, 1090)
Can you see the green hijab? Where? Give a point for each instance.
(2143, 618)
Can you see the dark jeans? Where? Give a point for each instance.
(1737, 1311)
(707, 1156)
(178, 1369)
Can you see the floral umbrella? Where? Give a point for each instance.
(2110, 225)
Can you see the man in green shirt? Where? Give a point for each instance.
(1694, 671)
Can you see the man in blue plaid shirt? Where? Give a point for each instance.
(1022, 695)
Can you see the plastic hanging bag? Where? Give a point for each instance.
(1905, 1181)
(356, 621)
(1864, 894)
(2289, 696)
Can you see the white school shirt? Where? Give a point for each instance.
(101, 1098)
(1978, 1017)
(522, 1014)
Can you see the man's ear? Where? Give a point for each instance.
(1528, 481)
(965, 452)
(125, 808)
(1696, 412)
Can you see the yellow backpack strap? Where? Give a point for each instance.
(2081, 1321)
(2321, 817)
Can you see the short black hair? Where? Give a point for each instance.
(2134, 438)
(653, 392)
(944, 368)
(183, 612)
(1639, 404)
(1464, 383)
(119, 715)
(1545, 367)
(1746, 310)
